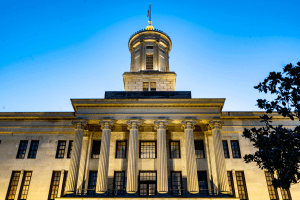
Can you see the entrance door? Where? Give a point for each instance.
(147, 183)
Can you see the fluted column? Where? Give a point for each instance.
(191, 166)
(75, 156)
(162, 160)
(82, 166)
(132, 166)
(102, 176)
(219, 156)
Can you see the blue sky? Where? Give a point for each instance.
(51, 51)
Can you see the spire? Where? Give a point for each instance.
(150, 27)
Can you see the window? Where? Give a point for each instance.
(145, 86)
(63, 187)
(54, 185)
(149, 47)
(199, 149)
(241, 185)
(12, 189)
(22, 149)
(225, 148)
(235, 149)
(25, 185)
(70, 149)
(174, 149)
(149, 61)
(176, 183)
(33, 149)
(202, 182)
(147, 183)
(153, 86)
(61, 146)
(272, 191)
(147, 149)
(92, 182)
(230, 183)
(285, 194)
(119, 183)
(96, 148)
(121, 149)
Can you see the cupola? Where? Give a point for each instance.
(149, 69)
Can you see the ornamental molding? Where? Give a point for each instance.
(79, 123)
(216, 124)
(133, 124)
(188, 124)
(106, 124)
(161, 124)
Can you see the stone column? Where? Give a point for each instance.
(158, 58)
(167, 58)
(143, 62)
(75, 156)
(86, 172)
(191, 166)
(102, 177)
(212, 161)
(132, 166)
(81, 172)
(162, 160)
(132, 60)
(219, 156)
(155, 57)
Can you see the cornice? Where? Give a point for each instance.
(149, 103)
(37, 115)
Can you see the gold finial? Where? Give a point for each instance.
(150, 27)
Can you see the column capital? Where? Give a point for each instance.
(188, 124)
(106, 123)
(80, 123)
(133, 123)
(216, 124)
(161, 124)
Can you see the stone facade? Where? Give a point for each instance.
(175, 139)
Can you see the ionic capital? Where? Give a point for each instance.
(188, 124)
(161, 124)
(133, 123)
(106, 124)
(216, 124)
(79, 124)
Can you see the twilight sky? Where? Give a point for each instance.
(51, 51)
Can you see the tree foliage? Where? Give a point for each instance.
(278, 147)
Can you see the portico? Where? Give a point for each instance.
(159, 120)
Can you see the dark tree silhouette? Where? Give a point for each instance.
(278, 147)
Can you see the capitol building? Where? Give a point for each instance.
(148, 141)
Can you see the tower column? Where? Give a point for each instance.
(132, 60)
(191, 165)
(162, 160)
(102, 176)
(132, 166)
(143, 62)
(167, 58)
(219, 156)
(156, 56)
(75, 156)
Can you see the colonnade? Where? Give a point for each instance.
(132, 166)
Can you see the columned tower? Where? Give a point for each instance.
(149, 70)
